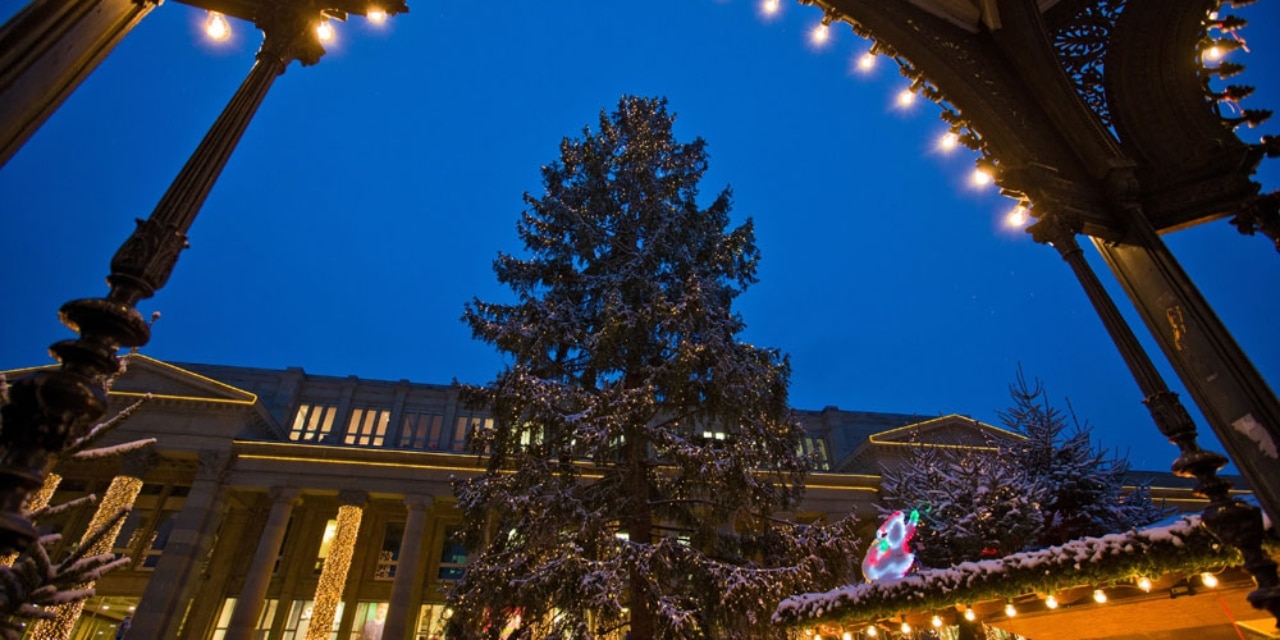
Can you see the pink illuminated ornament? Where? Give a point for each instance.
(889, 556)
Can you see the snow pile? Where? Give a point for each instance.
(1183, 546)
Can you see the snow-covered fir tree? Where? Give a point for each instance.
(1049, 487)
(639, 450)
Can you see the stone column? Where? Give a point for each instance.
(334, 575)
(169, 590)
(46, 50)
(400, 613)
(249, 605)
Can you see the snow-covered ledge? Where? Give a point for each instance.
(1182, 547)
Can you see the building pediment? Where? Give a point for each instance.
(887, 448)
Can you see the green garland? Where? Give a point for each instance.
(1183, 547)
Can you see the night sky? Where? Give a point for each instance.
(369, 197)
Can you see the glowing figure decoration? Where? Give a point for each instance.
(889, 556)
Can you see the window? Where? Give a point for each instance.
(159, 538)
(816, 449)
(389, 556)
(421, 430)
(453, 555)
(326, 544)
(431, 620)
(371, 617)
(295, 626)
(313, 422)
(368, 427)
(462, 427)
(229, 606)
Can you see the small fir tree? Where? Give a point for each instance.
(638, 449)
(1047, 488)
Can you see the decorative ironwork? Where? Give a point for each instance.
(1081, 43)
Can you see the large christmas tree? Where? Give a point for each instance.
(639, 450)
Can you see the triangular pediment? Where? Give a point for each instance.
(162, 380)
(954, 430)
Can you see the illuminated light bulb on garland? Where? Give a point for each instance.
(970, 615)
(1213, 53)
(1010, 610)
(217, 27)
(906, 628)
(1144, 583)
(1099, 596)
(936, 621)
(821, 33)
(982, 177)
(948, 141)
(906, 97)
(770, 7)
(1208, 580)
(324, 31)
(867, 61)
(872, 632)
(1017, 217)
(847, 636)
(1051, 602)
(377, 16)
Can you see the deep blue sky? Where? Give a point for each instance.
(372, 192)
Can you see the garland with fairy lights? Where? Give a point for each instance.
(1183, 547)
(334, 574)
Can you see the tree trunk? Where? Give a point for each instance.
(640, 530)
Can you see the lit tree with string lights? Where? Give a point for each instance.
(639, 450)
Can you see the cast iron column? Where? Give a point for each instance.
(49, 408)
(1235, 522)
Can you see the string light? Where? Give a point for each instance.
(970, 615)
(1010, 610)
(1144, 583)
(872, 631)
(948, 141)
(377, 16)
(1099, 596)
(324, 31)
(936, 621)
(334, 574)
(1213, 54)
(120, 495)
(1051, 602)
(1208, 579)
(906, 97)
(770, 7)
(867, 61)
(1017, 217)
(847, 636)
(217, 27)
(906, 628)
(821, 32)
(982, 177)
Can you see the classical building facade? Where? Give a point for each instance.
(275, 500)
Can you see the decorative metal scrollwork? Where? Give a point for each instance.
(1081, 43)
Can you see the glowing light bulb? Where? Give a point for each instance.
(906, 97)
(936, 621)
(872, 632)
(867, 61)
(982, 177)
(1051, 602)
(1209, 580)
(324, 31)
(970, 615)
(770, 7)
(906, 628)
(821, 33)
(1213, 53)
(217, 27)
(847, 636)
(1144, 583)
(1010, 610)
(1213, 15)
(377, 16)
(1099, 596)
(1017, 217)
(948, 141)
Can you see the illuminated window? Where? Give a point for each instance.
(431, 621)
(389, 556)
(464, 426)
(368, 427)
(224, 618)
(453, 555)
(299, 620)
(313, 422)
(326, 544)
(371, 617)
(421, 430)
(816, 449)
